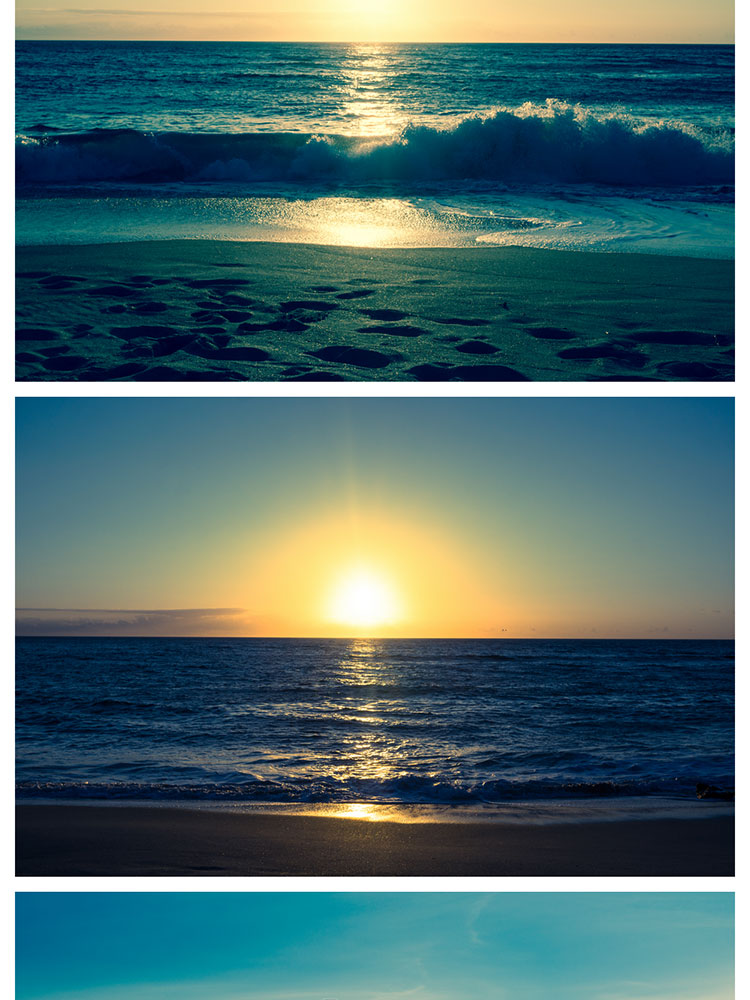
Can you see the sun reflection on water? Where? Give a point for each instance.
(370, 750)
(361, 235)
(359, 810)
(366, 101)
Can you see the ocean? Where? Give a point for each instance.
(435, 722)
(589, 147)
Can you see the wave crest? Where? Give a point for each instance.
(555, 143)
(405, 789)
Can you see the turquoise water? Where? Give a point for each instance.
(602, 147)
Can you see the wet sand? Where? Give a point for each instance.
(218, 310)
(139, 840)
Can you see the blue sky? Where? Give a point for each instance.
(374, 946)
(566, 517)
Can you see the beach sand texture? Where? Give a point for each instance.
(98, 840)
(218, 310)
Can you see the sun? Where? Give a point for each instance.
(362, 598)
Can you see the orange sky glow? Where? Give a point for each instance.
(662, 21)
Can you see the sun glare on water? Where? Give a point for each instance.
(364, 599)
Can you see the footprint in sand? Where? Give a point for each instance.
(150, 308)
(169, 345)
(347, 355)
(163, 373)
(232, 299)
(235, 315)
(476, 347)
(317, 377)
(36, 333)
(68, 363)
(211, 353)
(132, 332)
(466, 373)
(622, 377)
(217, 283)
(128, 370)
(113, 291)
(313, 305)
(56, 282)
(240, 354)
(550, 333)
(361, 293)
(696, 370)
(395, 331)
(384, 314)
(288, 325)
(203, 316)
(610, 352)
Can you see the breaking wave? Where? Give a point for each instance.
(548, 144)
(407, 789)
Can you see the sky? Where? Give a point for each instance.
(405, 517)
(374, 946)
(382, 20)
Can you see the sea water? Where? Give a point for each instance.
(467, 722)
(603, 147)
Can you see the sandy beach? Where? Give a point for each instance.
(60, 840)
(220, 310)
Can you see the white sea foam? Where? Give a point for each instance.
(579, 219)
(556, 142)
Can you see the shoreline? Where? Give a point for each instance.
(107, 840)
(604, 809)
(727, 254)
(215, 310)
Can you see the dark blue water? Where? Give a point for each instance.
(357, 89)
(425, 721)
(547, 145)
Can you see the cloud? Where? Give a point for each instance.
(476, 911)
(104, 11)
(229, 988)
(187, 15)
(112, 622)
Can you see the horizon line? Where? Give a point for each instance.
(297, 41)
(399, 638)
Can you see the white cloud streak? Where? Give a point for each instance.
(119, 622)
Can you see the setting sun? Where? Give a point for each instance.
(375, 519)
(363, 599)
